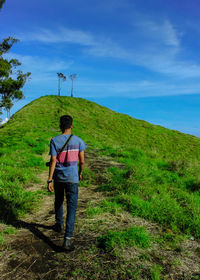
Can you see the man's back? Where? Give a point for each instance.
(66, 169)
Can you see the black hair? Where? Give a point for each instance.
(65, 122)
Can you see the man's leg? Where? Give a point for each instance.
(59, 198)
(71, 199)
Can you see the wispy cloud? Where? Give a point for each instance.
(42, 69)
(61, 35)
(144, 88)
(44, 77)
(44, 72)
(154, 45)
(158, 33)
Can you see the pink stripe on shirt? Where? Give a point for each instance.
(67, 156)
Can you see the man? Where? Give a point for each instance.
(64, 171)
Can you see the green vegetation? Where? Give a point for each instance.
(18, 166)
(160, 179)
(89, 177)
(7, 230)
(155, 272)
(152, 189)
(133, 236)
(105, 206)
(11, 80)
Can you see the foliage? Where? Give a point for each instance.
(1, 3)
(11, 80)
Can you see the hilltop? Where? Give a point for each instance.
(104, 125)
(147, 177)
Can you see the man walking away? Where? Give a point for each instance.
(66, 151)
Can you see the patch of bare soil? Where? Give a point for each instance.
(35, 252)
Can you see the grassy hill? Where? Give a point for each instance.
(159, 180)
(162, 165)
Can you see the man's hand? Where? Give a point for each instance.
(51, 171)
(50, 187)
(81, 164)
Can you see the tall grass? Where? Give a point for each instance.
(158, 190)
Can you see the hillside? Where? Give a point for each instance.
(147, 173)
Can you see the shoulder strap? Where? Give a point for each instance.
(66, 143)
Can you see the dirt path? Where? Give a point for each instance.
(32, 252)
(35, 252)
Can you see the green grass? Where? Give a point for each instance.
(133, 236)
(156, 272)
(157, 190)
(105, 206)
(7, 230)
(160, 181)
(2, 239)
(88, 177)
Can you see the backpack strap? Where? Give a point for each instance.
(65, 144)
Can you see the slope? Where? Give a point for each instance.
(158, 178)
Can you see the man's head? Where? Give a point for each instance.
(65, 122)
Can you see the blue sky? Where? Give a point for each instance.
(139, 57)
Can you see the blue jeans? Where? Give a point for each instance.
(71, 193)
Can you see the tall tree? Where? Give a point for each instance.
(61, 77)
(1, 3)
(72, 77)
(11, 79)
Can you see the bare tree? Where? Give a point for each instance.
(72, 77)
(61, 77)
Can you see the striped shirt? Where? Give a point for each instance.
(66, 169)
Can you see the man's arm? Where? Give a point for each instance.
(51, 171)
(81, 163)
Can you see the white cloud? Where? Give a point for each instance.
(157, 47)
(159, 32)
(61, 35)
(145, 88)
(42, 69)
(4, 121)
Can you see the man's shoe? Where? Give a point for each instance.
(58, 227)
(68, 245)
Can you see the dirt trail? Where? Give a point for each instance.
(32, 252)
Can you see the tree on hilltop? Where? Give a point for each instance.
(61, 77)
(72, 77)
(11, 80)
